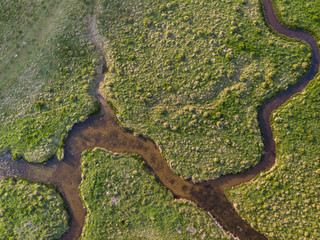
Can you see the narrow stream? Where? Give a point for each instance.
(103, 131)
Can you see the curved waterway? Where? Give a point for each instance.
(104, 131)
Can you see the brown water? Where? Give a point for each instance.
(103, 131)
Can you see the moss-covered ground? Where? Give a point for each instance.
(31, 211)
(46, 75)
(191, 75)
(284, 202)
(124, 201)
(303, 15)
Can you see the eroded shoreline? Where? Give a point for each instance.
(103, 131)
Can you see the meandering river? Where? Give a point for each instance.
(104, 131)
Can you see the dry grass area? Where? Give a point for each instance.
(47, 74)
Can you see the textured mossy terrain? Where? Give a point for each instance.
(47, 73)
(124, 201)
(300, 15)
(284, 202)
(191, 75)
(31, 211)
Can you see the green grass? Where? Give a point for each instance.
(46, 75)
(31, 211)
(300, 15)
(284, 202)
(124, 201)
(191, 75)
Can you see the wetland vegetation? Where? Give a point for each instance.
(47, 69)
(300, 15)
(191, 75)
(284, 202)
(125, 201)
(31, 211)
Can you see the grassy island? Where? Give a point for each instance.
(124, 201)
(31, 211)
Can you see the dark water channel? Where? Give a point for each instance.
(103, 131)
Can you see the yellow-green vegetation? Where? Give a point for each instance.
(31, 211)
(191, 75)
(300, 14)
(47, 68)
(124, 201)
(284, 202)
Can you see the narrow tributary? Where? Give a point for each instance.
(104, 131)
